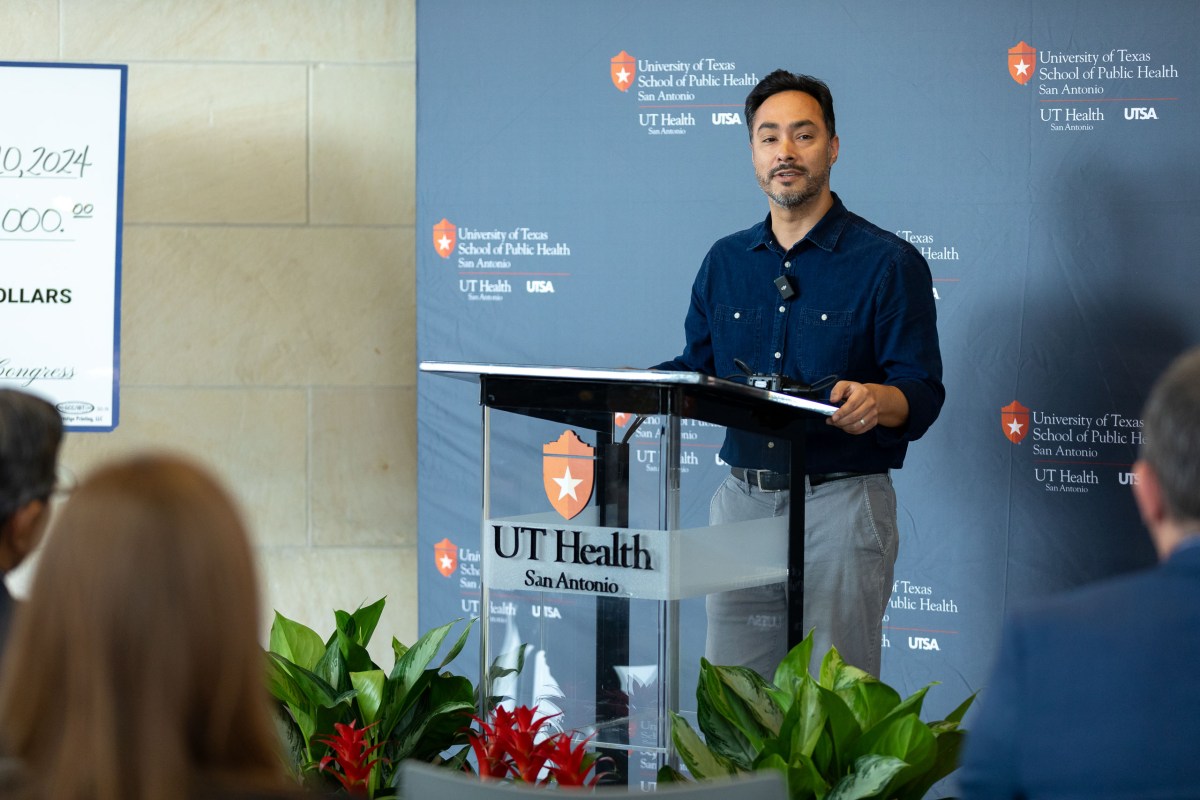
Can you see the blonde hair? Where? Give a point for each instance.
(134, 671)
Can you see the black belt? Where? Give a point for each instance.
(770, 481)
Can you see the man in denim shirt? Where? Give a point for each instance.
(810, 293)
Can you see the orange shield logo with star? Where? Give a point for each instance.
(1014, 421)
(622, 70)
(446, 554)
(1021, 60)
(445, 236)
(568, 473)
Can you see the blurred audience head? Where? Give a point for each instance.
(30, 433)
(134, 671)
(1167, 474)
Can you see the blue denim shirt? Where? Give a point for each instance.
(863, 311)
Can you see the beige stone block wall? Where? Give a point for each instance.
(268, 274)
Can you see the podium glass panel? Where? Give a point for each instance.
(597, 548)
(597, 557)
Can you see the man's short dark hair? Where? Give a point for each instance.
(783, 81)
(1171, 445)
(30, 433)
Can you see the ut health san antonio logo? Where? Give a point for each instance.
(568, 474)
(445, 236)
(1021, 60)
(445, 555)
(622, 69)
(1014, 421)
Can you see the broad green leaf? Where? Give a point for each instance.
(836, 674)
(957, 714)
(369, 686)
(447, 705)
(356, 656)
(416, 659)
(722, 735)
(669, 775)
(748, 686)
(700, 761)
(414, 740)
(398, 649)
(843, 728)
(281, 684)
(718, 686)
(314, 688)
(949, 744)
(869, 699)
(794, 667)
(805, 780)
(296, 642)
(332, 665)
(458, 646)
(805, 721)
(869, 777)
(906, 738)
(366, 618)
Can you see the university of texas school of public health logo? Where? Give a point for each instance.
(568, 473)
(622, 69)
(445, 236)
(1021, 60)
(1014, 421)
(445, 555)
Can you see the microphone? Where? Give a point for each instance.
(784, 284)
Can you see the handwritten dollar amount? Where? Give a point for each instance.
(40, 220)
(43, 162)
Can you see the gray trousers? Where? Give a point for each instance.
(850, 546)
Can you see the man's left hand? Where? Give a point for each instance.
(865, 405)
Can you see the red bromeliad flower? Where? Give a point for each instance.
(570, 765)
(515, 745)
(350, 752)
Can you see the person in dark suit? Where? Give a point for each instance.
(1096, 692)
(30, 433)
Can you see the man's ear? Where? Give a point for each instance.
(22, 532)
(1147, 493)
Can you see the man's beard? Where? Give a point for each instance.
(810, 188)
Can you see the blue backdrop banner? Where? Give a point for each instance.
(576, 161)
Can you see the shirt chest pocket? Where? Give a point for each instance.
(738, 331)
(824, 347)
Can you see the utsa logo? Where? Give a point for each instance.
(539, 287)
(726, 118)
(1135, 113)
(922, 643)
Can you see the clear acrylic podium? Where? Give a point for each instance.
(596, 547)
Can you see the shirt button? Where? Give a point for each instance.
(824, 317)
(737, 315)
(787, 264)
(779, 355)
(770, 445)
(782, 309)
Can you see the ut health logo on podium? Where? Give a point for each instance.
(1014, 421)
(568, 473)
(1021, 60)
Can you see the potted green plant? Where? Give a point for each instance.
(349, 722)
(843, 734)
